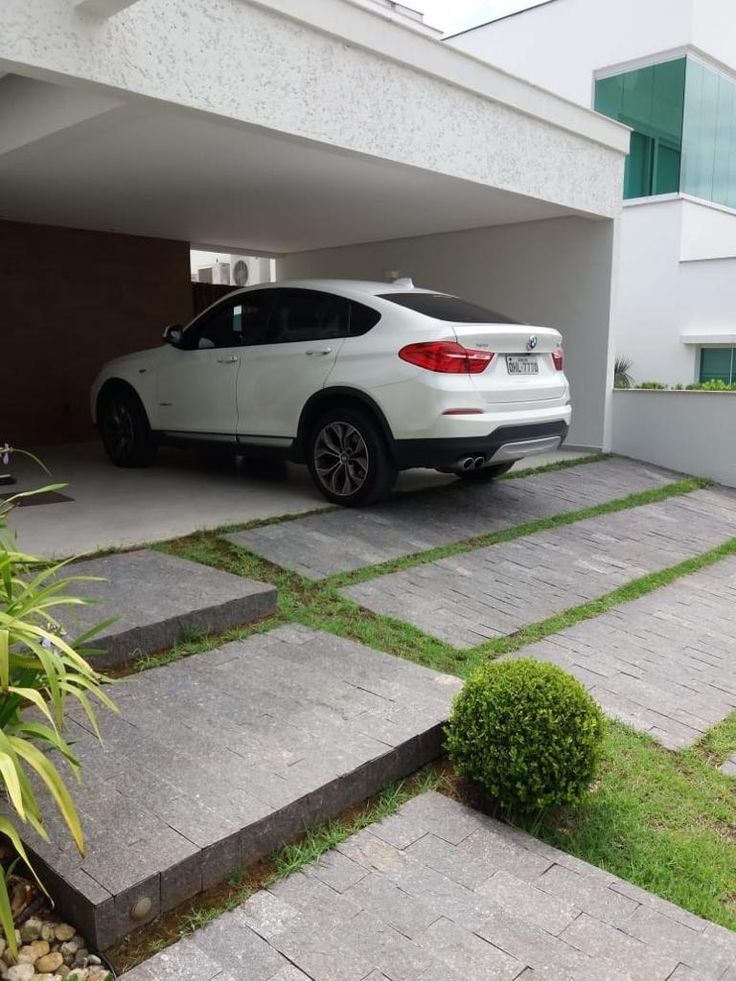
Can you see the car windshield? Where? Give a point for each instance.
(452, 309)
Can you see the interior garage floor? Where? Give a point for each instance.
(114, 508)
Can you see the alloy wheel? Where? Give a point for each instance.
(119, 429)
(341, 458)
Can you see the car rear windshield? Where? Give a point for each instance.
(439, 306)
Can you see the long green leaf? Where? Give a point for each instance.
(56, 786)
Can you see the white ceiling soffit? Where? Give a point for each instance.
(133, 171)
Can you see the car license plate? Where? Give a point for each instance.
(522, 366)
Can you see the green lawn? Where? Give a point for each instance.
(664, 821)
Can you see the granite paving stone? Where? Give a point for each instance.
(729, 767)
(652, 677)
(156, 599)
(215, 761)
(321, 545)
(491, 592)
(407, 921)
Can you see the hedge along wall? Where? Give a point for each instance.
(693, 432)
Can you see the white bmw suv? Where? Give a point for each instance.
(358, 380)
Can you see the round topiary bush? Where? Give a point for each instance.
(527, 733)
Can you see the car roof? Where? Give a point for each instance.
(341, 286)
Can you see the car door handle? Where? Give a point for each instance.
(231, 360)
(320, 352)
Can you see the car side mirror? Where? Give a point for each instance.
(174, 335)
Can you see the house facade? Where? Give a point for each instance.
(341, 138)
(666, 69)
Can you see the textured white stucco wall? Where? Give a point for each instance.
(555, 273)
(692, 432)
(250, 62)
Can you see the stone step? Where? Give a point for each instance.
(218, 759)
(158, 599)
(322, 545)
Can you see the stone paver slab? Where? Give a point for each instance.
(665, 663)
(405, 919)
(341, 541)
(729, 767)
(218, 759)
(494, 591)
(157, 599)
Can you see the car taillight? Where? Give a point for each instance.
(558, 356)
(447, 357)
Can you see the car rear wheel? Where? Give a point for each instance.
(484, 475)
(124, 429)
(349, 460)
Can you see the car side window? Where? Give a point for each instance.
(231, 323)
(305, 315)
(362, 319)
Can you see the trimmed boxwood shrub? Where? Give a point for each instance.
(527, 733)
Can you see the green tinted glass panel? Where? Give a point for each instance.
(638, 173)
(667, 170)
(717, 363)
(709, 135)
(651, 101)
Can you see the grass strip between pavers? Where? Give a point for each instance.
(321, 606)
(638, 499)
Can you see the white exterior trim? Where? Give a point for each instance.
(726, 338)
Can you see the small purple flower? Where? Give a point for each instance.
(52, 628)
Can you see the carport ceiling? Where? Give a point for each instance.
(152, 170)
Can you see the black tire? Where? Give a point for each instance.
(124, 429)
(484, 475)
(348, 458)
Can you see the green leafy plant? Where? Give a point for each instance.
(40, 670)
(653, 386)
(527, 733)
(622, 377)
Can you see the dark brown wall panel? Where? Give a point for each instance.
(69, 301)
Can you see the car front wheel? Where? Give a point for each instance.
(124, 429)
(349, 460)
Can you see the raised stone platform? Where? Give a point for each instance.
(439, 892)
(158, 599)
(491, 592)
(341, 541)
(218, 759)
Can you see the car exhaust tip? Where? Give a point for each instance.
(466, 463)
(478, 462)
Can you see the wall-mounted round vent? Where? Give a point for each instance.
(240, 273)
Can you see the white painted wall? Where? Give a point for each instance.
(560, 45)
(692, 432)
(708, 231)
(555, 273)
(659, 299)
(714, 29)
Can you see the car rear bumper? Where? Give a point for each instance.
(500, 446)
